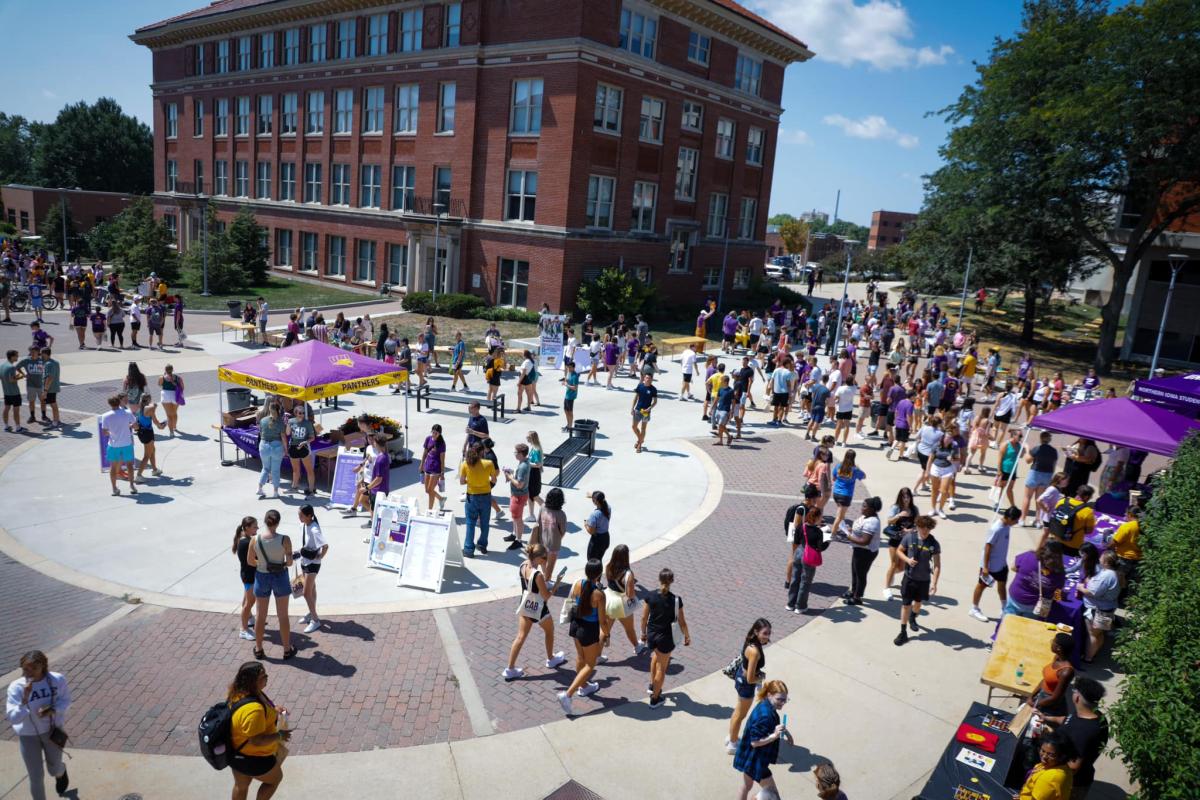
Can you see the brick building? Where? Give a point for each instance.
(887, 228)
(26, 206)
(529, 142)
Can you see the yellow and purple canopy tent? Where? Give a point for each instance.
(310, 370)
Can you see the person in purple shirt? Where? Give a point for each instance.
(949, 392)
(381, 472)
(729, 327)
(901, 417)
(1031, 568)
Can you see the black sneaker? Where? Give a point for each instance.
(514, 546)
(901, 638)
(483, 551)
(703, 419)
(912, 623)
(61, 783)
(510, 538)
(658, 702)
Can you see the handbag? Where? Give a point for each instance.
(1044, 604)
(531, 603)
(297, 583)
(569, 609)
(1101, 620)
(812, 557)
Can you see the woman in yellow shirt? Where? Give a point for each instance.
(478, 474)
(257, 741)
(1125, 543)
(1051, 779)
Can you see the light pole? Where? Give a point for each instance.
(204, 243)
(1176, 260)
(962, 307)
(842, 304)
(724, 261)
(437, 232)
(62, 198)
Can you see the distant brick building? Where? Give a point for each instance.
(531, 143)
(823, 244)
(887, 228)
(26, 206)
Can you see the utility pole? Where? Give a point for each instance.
(842, 304)
(62, 197)
(1176, 261)
(836, 205)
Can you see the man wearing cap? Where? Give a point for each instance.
(587, 330)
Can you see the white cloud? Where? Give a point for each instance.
(788, 136)
(49, 95)
(872, 126)
(848, 32)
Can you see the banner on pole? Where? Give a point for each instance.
(550, 344)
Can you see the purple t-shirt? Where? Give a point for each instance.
(432, 465)
(1024, 586)
(729, 326)
(382, 468)
(903, 411)
(896, 394)
(610, 353)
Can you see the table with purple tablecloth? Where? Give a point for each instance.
(246, 440)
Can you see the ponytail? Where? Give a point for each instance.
(242, 526)
(665, 578)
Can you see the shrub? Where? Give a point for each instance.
(1154, 721)
(614, 292)
(458, 306)
(501, 314)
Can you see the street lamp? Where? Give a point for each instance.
(62, 198)
(962, 307)
(1176, 260)
(204, 244)
(849, 245)
(437, 231)
(724, 262)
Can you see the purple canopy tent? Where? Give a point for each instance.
(1179, 393)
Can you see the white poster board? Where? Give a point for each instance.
(432, 544)
(344, 483)
(550, 343)
(390, 531)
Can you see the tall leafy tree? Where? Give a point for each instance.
(143, 244)
(247, 244)
(16, 149)
(96, 147)
(795, 234)
(52, 227)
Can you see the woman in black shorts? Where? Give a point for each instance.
(257, 735)
(661, 610)
(901, 520)
(531, 570)
(588, 598)
(313, 549)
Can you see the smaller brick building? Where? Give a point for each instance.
(887, 228)
(26, 206)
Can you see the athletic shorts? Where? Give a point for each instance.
(1005, 477)
(1004, 418)
(818, 415)
(662, 641)
(844, 415)
(687, 377)
(842, 500)
(728, 337)
(891, 418)
(901, 434)
(116, 454)
(913, 591)
(252, 765)
(569, 405)
(1000, 575)
(51, 398)
(311, 569)
(586, 632)
(12, 400)
(778, 399)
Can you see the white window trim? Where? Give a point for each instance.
(683, 115)
(529, 111)
(662, 120)
(708, 52)
(620, 92)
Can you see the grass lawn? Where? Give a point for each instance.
(473, 329)
(281, 294)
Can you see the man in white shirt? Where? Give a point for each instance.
(993, 563)
(118, 425)
(843, 400)
(689, 367)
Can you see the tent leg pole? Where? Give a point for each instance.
(221, 421)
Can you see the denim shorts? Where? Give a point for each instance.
(1035, 479)
(268, 583)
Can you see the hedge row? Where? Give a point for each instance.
(463, 306)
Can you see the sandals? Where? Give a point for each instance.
(260, 654)
(289, 653)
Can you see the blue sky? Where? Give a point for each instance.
(855, 117)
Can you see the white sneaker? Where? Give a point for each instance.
(730, 747)
(556, 661)
(951, 504)
(942, 514)
(591, 687)
(512, 674)
(886, 594)
(247, 635)
(250, 624)
(305, 619)
(979, 615)
(313, 626)
(564, 700)
(601, 659)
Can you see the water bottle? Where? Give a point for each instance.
(1021, 673)
(283, 720)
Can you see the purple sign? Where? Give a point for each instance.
(345, 481)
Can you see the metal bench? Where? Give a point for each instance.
(573, 457)
(424, 394)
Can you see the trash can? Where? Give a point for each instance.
(238, 398)
(586, 428)
(235, 309)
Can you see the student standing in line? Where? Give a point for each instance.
(864, 536)
(993, 564)
(271, 555)
(313, 549)
(10, 380)
(588, 618)
(922, 558)
(533, 581)
(597, 526)
(552, 526)
(661, 610)
(747, 678)
(36, 704)
(51, 385)
(758, 748)
(243, 537)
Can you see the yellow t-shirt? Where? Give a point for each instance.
(1047, 784)
(162, 290)
(1085, 521)
(1125, 541)
(251, 720)
(969, 364)
(714, 383)
(479, 477)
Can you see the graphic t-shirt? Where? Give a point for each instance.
(33, 373)
(645, 396)
(923, 550)
(844, 485)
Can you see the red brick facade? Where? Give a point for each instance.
(26, 206)
(571, 46)
(887, 228)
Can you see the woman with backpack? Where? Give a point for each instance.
(660, 612)
(587, 616)
(270, 554)
(256, 739)
(746, 678)
(806, 559)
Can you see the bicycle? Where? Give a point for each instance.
(18, 299)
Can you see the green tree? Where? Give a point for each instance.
(101, 240)
(1154, 721)
(247, 244)
(16, 149)
(611, 293)
(143, 244)
(225, 273)
(95, 147)
(780, 219)
(795, 234)
(51, 229)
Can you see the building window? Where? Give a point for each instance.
(514, 283)
(199, 65)
(442, 181)
(241, 125)
(287, 113)
(168, 219)
(644, 196)
(336, 265)
(452, 25)
(343, 110)
(698, 47)
(718, 215)
(317, 42)
(404, 184)
(283, 247)
(748, 77)
(243, 53)
(408, 100)
(522, 195)
(312, 183)
(682, 242)
(266, 107)
(377, 34)
(397, 265)
(653, 112)
(747, 220)
(172, 174)
(172, 117)
(262, 180)
(222, 56)
(693, 116)
(754, 146)
(411, 23)
(221, 177)
(291, 46)
(371, 186)
(266, 50)
(339, 181)
(446, 93)
(364, 267)
(315, 117)
(198, 175)
(221, 117)
(712, 278)
(608, 108)
(372, 116)
(600, 202)
(741, 278)
(346, 39)
(638, 33)
(287, 181)
(241, 179)
(725, 133)
(308, 252)
(685, 173)
(526, 106)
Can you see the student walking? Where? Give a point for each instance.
(433, 465)
(758, 748)
(993, 563)
(922, 558)
(271, 555)
(587, 617)
(313, 549)
(621, 600)
(747, 677)
(259, 731)
(535, 598)
(36, 706)
(645, 398)
(458, 356)
(118, 424)
(170, 396)
(661, 610)
(551, 527)
(243, 537)
(145, 421)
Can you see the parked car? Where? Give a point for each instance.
(778, 273)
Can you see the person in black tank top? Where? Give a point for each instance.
(531, 570)
(662, 609)
(589, 616)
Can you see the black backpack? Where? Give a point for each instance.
(1062, 522)
(789, 519)
(216, 733)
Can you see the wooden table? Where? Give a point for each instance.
(247, 328)
(1019, 641)
(683, 342)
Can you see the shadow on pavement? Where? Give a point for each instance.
(799, 758)
(349, 628)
